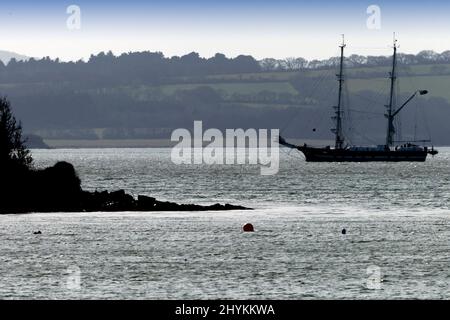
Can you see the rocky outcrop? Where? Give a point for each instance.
(58, 189)
(121, 201)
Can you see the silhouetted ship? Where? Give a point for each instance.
(387, 152)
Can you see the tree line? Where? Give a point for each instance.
(155, 68)
(134, 67)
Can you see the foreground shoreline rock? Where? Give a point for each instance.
(121, 201)
(117, 201)
(58, 189)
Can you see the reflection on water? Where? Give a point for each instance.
(396, 217)
(385, 186)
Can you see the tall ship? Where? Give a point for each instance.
(390, 151)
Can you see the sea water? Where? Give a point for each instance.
(396, 245)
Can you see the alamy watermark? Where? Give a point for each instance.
(374, 279)
(73, 280)
(373, 22)
(237, 146)
(73, 22)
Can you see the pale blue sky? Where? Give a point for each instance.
(279, 29)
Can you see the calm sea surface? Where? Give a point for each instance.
(396, 215)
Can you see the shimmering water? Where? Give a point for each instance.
(396, 246)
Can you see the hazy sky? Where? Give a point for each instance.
(279, 29)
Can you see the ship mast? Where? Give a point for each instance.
(390, 115)
(339, 140)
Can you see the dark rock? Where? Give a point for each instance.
(119, 200)
(146, 203)
(58, 188)
(118, 195)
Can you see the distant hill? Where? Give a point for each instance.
(33, 141)
(5, 56)
(145, 95)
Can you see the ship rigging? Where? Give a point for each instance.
(343, 152)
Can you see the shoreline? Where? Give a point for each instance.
(152, 143)
(140, 143)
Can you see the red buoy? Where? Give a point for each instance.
(248, 227)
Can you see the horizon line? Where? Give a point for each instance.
(117, 55)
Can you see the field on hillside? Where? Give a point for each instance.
(434, 78)
(236, 87)
(438, 86)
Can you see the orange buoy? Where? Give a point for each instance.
(248, 227)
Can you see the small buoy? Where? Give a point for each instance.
(344, 231)
(314, 129)
(37, 232)
(248, 227)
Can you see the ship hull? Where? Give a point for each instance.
(345, 155)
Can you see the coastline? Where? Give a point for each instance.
(140, 143)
